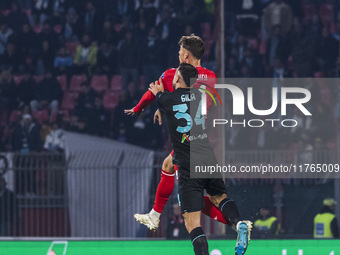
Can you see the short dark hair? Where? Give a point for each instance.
(194, 44)
(187, 71)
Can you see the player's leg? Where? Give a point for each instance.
(217, 193)
(214, 212)
(192, 222)
(164, 190)
(190, 199)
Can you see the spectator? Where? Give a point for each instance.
(239, 47)
(253, 62)
(133, 94)
(176, 228)
(278, 13)
(26, 89)
(42, 9)
(8, 208)
(28, 40)
(86, 56)
(12, 57)
(46, 56)
(72, 27)
(48, 94)
(128, 59)
(151, 50)
(325, 222)
(326, 51)
(92, 20)
(55, 141)
(98, 120)
(108, 35)
(85, 101)
(26, 137)
(63, 61)
(123, 8)
(125, 122)
(267, 226)
(48, 34)
(147, 12)
(232, 68)
(189, 14)
(16, 18)
(25, 140)
(107, 59)
(5, 33)
(167, 28)
(8, 90)
(276, 46)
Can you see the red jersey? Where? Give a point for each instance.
(204, 75)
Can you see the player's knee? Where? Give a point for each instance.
(216, 200)
(168, 166)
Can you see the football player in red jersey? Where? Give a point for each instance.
(191, 50)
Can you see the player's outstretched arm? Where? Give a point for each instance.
(129, 111)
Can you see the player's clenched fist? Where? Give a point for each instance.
(154, 88)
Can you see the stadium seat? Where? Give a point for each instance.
(37, 28)
(69, 100)
(116, 82)
(71, 47)
(17, 79)
(38, 78)
(57, 28)
(100, 83)
(5, 12)
(41, 116)
(76, 81)
(326, 14)
(111, 99)
(14, 115)
(62, 79)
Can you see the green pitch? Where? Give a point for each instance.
(216, 247)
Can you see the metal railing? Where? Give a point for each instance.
(95, 194)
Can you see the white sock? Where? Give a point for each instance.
(155, 215)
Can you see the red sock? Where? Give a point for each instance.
(213, 212)
(164, 190)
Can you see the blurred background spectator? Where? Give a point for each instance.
(176, 228)
(52, 47)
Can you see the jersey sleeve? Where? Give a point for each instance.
(148, 97)
(146, 100)
(162, 99)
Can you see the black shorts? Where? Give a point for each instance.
(191, 191)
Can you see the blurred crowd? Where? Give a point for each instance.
(77, 64)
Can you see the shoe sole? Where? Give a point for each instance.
(141, 221)
(242, 239)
